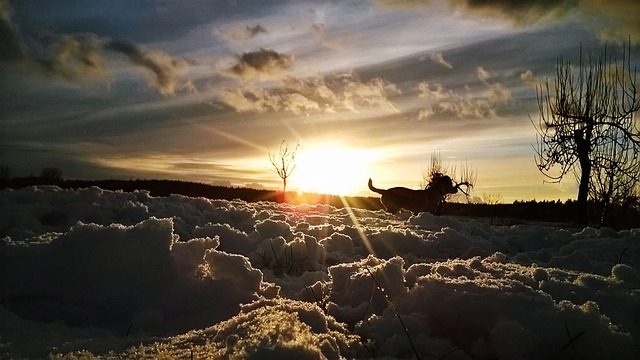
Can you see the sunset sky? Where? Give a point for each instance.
(202, 90)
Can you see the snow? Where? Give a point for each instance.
(94, 273)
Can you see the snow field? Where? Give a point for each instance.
(94, 273)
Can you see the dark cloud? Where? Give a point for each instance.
(520, 11)
(11, 46)
(160, 67)
(80, 57)
(253, 31)
(615, 20)
(77, 58)
(622, 18)
(255, 64)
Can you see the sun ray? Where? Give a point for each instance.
(359, 228)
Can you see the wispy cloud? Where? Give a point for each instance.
(241, 33)
(439, 59)
(497, 94)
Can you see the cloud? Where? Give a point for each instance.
(298, 104)
(483, 75)
(529, 78)
(318, 30)
(264, 62)
(614, 20)
(241, 33)
(159, 67)
(74, 58)
(80, 57)
(253, 31)
(373, 93)
(519, 12)
(11, 46)
(317, 94)
(245, 100)
(620, 17)
(402, 3)
(498, 93)
(445, 101)
(439, 59)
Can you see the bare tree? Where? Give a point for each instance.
(283, 162)
(616, 175)
(492, 198)
(588, 125)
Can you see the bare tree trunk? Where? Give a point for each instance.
(583, 190)
(583, 149)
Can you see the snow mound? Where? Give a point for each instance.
(95, 273)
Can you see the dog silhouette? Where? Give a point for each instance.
(427, 200)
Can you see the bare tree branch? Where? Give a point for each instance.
(283, 162)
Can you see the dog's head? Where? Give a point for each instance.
(443, 184)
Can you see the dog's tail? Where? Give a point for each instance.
(374, 189)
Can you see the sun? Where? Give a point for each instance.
(331, 169)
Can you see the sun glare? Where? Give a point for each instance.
(332, 170)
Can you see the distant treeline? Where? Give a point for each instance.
(548, 211)
(498, 214)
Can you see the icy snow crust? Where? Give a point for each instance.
(95, 273)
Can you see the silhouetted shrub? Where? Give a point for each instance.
(51, 173)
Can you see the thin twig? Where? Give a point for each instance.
(315, 297)
(274, 254)
(128, 330)
(370, 304)
(449, 353)
(621, 255)
(392, 306)
(572, 340)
